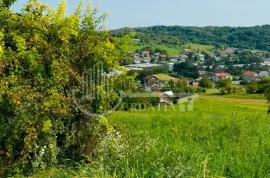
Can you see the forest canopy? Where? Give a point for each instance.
(257, 37)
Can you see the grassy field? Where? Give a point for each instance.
(218, 137)
(215, 92)
(195, 47)
(174, 51)
(171, 51)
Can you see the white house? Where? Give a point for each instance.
(201, 57)
(146, 60)
(183, 58)
(137, 60)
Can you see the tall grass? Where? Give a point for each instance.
(214, 140)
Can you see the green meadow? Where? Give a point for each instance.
(200, 47)
(218, 137)
(175, 51)
(171, 51)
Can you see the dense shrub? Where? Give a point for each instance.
(43, 52)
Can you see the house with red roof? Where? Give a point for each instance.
(220, 76)
(150, 86)
(251, 75)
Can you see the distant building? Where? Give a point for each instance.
(137, 60)
(187, 51)
(164, 98)
(170, 66)
(220, 76)
(145, 66)
(162, 57)
(264, 73)
(183, 58)
(250, 76)
(146, 54)
(201, 57)
(146, 60)
(150, 86)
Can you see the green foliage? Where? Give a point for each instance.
(8, 3)
(252, 87)
(139, 103)
(216, 139)
(43, 52)
(220, 37)
(205, 82)
(267, 94)
(187, 69)
(225, 86)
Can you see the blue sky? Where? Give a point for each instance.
(139, 13)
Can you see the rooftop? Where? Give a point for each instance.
(250, 73)
(224, 74)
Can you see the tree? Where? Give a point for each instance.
(252, 87)
(224, 86)
(205, 82)
(187, 69)
(190, 56)
(43, 53)
(267, 95)
(181, 83)
(8, 3)
(171, 84)
(161, 70)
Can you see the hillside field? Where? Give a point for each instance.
(200, 47)
(176, 51)
(221, 137)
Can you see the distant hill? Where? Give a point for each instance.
(257, 37)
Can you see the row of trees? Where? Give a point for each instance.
(240, 37)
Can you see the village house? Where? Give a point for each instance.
(182, 58)
(146, 54)
(147, 60)
(250, 76)
(137, 60)
(157, 56)
(161, 80)
(264, 73)
(162, 57)
(201, 57)
(187, 51)
(220, 76)
(165, 98)
(150, 86)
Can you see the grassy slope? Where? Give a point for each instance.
(175, 51)
(194, 47)
(219, 137)
(235, 136)
(171, 51)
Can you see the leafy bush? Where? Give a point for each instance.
(43, 52)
